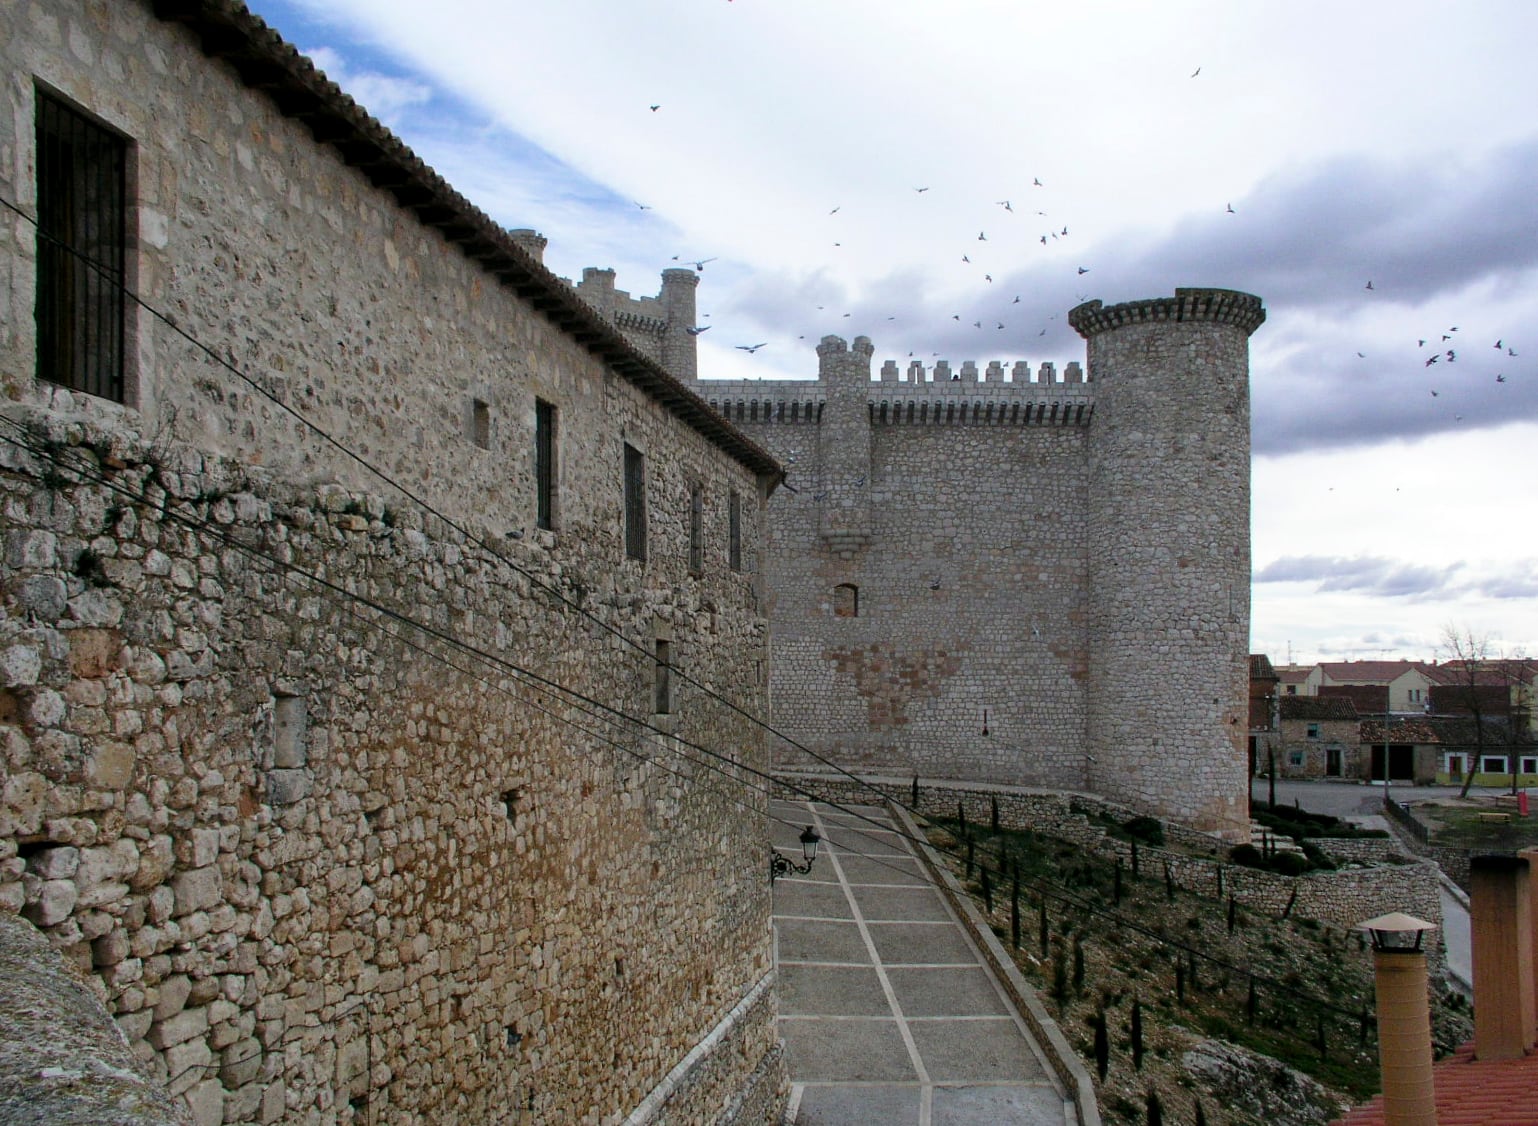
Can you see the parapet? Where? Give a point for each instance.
(1213, 306)
(649, 323)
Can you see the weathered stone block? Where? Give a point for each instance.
(285, 787)
(53, 903)
(197, 890)
(179, 1028)
(19, 665)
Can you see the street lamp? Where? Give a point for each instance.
(782, 865)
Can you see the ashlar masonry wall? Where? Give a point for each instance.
(952, 515)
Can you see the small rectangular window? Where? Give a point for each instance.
(635, 503)
(662, 703)
(82, 192)
(480, 423)
(1530, 766)
(1313, 731)
(544, 464)
(1295, 758)
(734, 531)
(696, 530)
(1492, 764)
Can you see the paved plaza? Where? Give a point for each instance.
(889, 1013)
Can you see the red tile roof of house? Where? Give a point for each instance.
(1260, 667)
(1472, 1092)
(1317, 707)
(1367, 672)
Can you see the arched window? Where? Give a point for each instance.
(846, 601)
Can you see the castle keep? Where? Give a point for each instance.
(1043, 581)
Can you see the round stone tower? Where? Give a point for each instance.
(1167, 695)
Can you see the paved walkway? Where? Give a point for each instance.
(888, 1012)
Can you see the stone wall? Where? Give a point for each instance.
(1022, 582)
(62, 1059)
(285, 767)
(323, 862)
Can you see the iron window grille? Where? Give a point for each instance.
(81, 251)
(544, 464)
(635, 503)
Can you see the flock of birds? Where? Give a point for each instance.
(1444, 355)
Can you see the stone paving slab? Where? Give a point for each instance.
(844, 991)
(849, 1051)
(821, 940)
(961, 1050)
(840, 1105)
(888, 1011)
(921, 943)
(946, 991)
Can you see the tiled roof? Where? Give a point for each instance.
(1366, 697)
(1472, 1092)
(1260, 667)
(228, 31)
(1317, 707)
(1447, 731)
(1367, 672)
(1294, 675)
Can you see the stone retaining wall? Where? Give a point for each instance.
(1342, 898)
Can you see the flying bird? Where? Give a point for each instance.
(655, 108)
(1433, 394)
(1500, 379)
(836, 210)
(1369, 284)
(982, 236)
(699, 263)
(1083, 269)
(1499, 345)
(750, 348)
(1510, 352)
(1195, 72)
(977, 324)
(643, 206)
(697, 329)
(1452, 357)
(1231, 212)
(1065, 232)
(1001, 324)
(921, 189)
(1035, 183)
(1043, 240)
(964, 258)
(1362, 355)
(987, 277)
(1017, 299)
(1420, 343)
(1431, 360)
(1004, 203)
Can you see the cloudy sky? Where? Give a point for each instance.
(906, 170)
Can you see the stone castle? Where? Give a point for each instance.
(373, 598)
(985, 576)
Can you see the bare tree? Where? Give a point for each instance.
(1492, 687)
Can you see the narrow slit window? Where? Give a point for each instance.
(82, 191)
(696, 529)
(480, 423)
(734, 531)
(635, 503)
(544, 464)
(663, 682)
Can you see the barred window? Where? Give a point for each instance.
(81, 251)
(635, 503)
(544, 464)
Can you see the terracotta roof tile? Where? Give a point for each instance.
(1317, 707)
(1472, 1092)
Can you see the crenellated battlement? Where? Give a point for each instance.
(1214, 306)
(658, 326)
(938, 395)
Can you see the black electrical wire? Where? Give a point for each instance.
(556, 594)
(427, 506)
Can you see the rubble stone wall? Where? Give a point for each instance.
(323, 862)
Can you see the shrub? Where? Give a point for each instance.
(1149, 830)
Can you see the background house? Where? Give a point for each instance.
(1319, 739)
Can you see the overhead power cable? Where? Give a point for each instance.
(427, 506)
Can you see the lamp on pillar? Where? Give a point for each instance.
(1404, 1018)
(782, 865)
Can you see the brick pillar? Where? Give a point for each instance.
(1500, 925)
